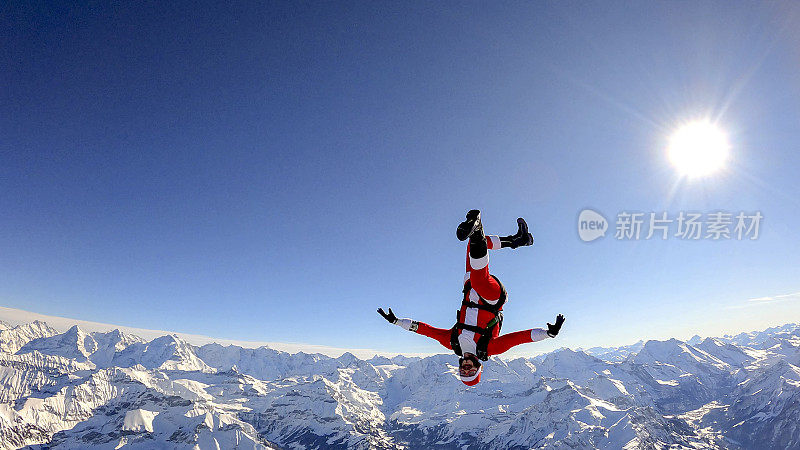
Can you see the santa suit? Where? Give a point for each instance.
(484, 288)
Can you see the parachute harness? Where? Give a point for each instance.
(485, 332)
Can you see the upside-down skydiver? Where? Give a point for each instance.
(476, 334)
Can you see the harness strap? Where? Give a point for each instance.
(485, 333)
(454, 337)
(482, 346)
(484, 306)
(472, 328)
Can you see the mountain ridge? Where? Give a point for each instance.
(114, 390)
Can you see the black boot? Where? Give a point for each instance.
(477, 242)
(522, 238)
(467, 227)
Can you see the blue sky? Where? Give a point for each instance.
(275, 172)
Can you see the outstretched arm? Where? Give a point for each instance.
(501, 344)
(441, 335)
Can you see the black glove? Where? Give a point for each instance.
(552, 330)
(390, 316)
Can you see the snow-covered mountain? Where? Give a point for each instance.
(109, 390)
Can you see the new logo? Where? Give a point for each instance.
(591, 225)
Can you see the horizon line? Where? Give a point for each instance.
(14, 316)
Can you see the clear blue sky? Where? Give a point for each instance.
(276, 171)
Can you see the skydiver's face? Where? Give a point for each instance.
(467, 368)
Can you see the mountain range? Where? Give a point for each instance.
(111, 390)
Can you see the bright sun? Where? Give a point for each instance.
(698, 149)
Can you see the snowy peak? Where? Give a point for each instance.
(170, 353)
(566, 361)
(72, 344)
(726, 352)
(347, 359)
(762, 339)
(676, 353)
(99, 349)
(114, 348)
(615, 354)
(14, 338)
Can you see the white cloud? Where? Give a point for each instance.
(765, 300)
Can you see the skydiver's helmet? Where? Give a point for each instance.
(472, 376)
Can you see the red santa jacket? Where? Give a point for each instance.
(477, 314)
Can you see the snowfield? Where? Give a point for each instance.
(111, 390)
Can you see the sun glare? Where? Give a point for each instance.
(698, 149)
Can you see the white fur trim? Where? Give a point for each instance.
(475, 298)
(467, 342)
(404, 324)
(480, 263)
(491, 302)
(471, 314)
(472, 378)
(538, 334)
(495, 242)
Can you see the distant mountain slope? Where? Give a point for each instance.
(80, 389)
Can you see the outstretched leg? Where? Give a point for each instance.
(478, 258)
(479, 277)
(522, 238)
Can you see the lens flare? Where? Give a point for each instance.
(698, 149)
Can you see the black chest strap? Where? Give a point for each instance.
(484, 306)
